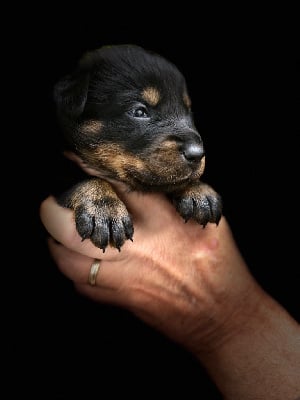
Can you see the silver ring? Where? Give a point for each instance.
(93, 272)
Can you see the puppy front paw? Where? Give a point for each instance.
(99, 214)
(105, 222)
(199, 202)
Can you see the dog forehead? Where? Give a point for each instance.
(132, 68)
(131, 58)
(121, 75)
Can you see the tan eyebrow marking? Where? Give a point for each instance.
(151, 95)
(187, 100)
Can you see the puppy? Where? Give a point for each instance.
(126, 113)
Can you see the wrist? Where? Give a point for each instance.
(256, 353)
(237, 313)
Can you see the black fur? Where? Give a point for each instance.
(126, 113)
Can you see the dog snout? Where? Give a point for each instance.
(192, 152)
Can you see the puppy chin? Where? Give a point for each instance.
(150, 183)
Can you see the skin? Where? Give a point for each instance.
(192, 285)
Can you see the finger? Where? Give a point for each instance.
(102, 295)
(60, 224)
(75, 266)
(109, 280)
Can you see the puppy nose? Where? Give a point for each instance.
(193, 152)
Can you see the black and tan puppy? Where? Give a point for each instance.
(126, 113)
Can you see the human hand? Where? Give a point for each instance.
(188, 282)
(192, 284)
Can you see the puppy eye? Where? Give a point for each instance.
(140, 112)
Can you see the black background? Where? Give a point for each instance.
(241, 78)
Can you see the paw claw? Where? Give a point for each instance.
(200, 203)
(105, 223)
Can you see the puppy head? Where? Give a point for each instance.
(126, 113)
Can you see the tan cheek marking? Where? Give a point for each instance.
(114, 157)
(164, 159)
(167, 150)
(91, 127)
(151, 96)
(187, 100)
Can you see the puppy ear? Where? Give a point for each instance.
(70, 94)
